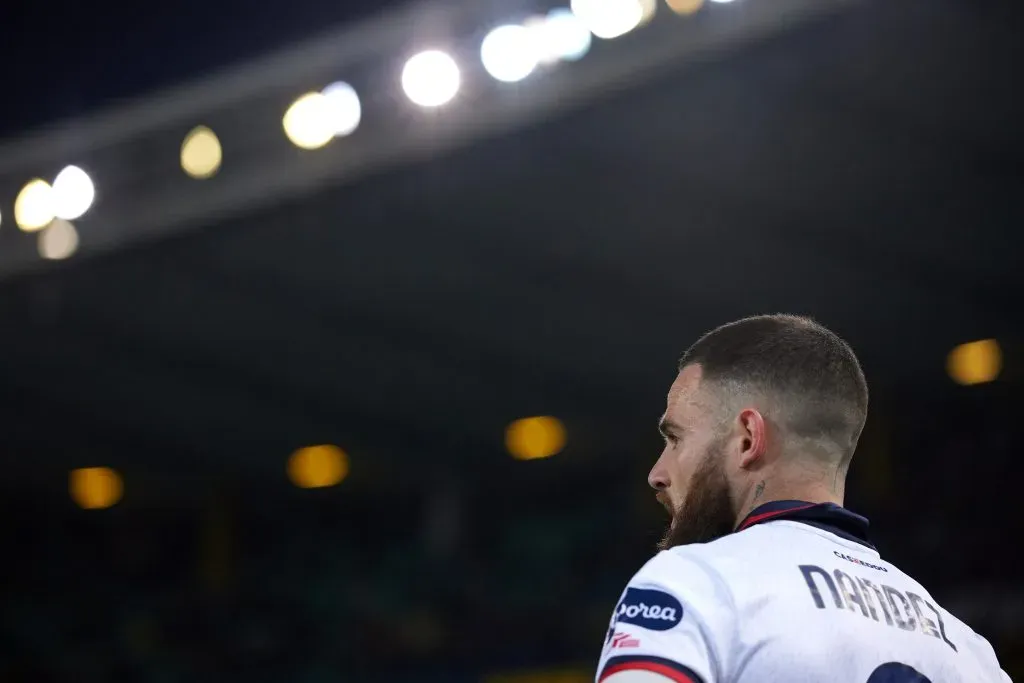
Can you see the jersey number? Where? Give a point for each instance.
(894, 672)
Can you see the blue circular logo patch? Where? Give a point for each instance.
(648, 608)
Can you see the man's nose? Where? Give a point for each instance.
(657, 479)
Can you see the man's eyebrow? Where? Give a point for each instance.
(668, 428)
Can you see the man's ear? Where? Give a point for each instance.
(753, 436)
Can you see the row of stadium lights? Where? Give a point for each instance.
(430, 79)
(531, 438)
(323, 466)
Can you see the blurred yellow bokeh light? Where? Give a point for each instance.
(309, 123)
(34, 209)
(533, 438)
(201, 153)
(975, 362)
(95, 488)
(316, 467)
(684, 6)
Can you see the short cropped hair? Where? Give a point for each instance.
(807, 373)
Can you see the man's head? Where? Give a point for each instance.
(764, 408)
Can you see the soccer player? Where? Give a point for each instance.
(763, 576)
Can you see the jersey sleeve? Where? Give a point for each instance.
(674, 622)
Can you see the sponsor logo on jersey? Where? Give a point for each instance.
(850, 558)
(648, 608)
(623, 640)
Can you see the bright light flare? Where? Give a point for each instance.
(561, 35)
(342, 101)
(309, 122)
(431, 78)
(73, 193)
(609, 19)
(33, 208)
(509, 53)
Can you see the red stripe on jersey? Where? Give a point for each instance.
(768, 515)
(642, 665)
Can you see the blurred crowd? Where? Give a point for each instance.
(446, 584)
(304, 592)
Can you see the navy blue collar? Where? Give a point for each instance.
(828, 516)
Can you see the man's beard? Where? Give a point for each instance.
(708, 512)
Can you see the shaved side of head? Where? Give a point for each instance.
(805, 378)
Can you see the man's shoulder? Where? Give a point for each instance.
(732, 564)
(716, 558)
(692, 572)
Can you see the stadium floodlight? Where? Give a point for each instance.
(684, 7)
(562, 35)
(73, 193)
(58, 241)
(344, 106)
(608, 19)
(431, 78)
(510, 53)
(309, 123)
(201, 153)
(33, 208)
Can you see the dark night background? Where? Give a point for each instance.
(864, 167)
(63, 59)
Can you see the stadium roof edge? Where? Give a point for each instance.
(150, 205)
(332, 49)
(221, 88)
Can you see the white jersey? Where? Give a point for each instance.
(796, 596)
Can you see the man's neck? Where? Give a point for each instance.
(766, 491)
